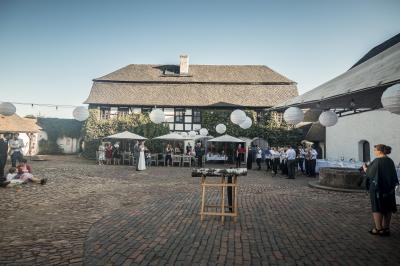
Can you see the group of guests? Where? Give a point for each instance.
(108, 153)
(197, 152)
(287, 159)
(12, 146)
(290, 160)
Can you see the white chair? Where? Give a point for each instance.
(126, 157)
(154, 159)
(186, 159)
(176, 159)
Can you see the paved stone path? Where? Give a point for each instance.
(112, 215)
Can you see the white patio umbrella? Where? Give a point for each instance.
(172, 136)
(126, 135)
(202, 137)
(226, 138)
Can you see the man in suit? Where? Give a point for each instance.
(3, 155)
(199, 154)
(136, 153)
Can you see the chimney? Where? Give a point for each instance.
(184, 65)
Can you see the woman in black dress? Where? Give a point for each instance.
(383, 180)
(249, 158)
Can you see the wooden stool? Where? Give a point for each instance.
(231, 185)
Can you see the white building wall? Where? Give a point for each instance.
(69, 145)
(376, 127)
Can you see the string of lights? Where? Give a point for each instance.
(47, 105)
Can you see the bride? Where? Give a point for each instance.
(142, 161)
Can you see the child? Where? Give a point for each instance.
(12, 173)
(147, 157)
(12, 178)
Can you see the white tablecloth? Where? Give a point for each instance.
(215, 157)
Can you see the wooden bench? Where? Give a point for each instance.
(228, 180)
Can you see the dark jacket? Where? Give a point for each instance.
(3, 149)
(382, 174)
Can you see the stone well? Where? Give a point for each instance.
(348, 178)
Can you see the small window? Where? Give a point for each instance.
(123, 111)
(188, 127)
(179, 115)
(105, 112)
(196, 116)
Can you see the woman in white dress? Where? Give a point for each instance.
(142, 160)
(101, 154)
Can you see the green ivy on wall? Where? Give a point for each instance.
(95, 129)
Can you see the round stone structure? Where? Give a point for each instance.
(347, 178)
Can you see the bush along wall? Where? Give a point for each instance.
(57, 128)
(95, 129)
(266, 128)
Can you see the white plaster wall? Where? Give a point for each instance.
(69, 145)
(377, 127)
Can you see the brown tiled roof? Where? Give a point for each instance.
(189, 94)
(17, 124)
(197, 73)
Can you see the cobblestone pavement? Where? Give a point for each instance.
(113, 215)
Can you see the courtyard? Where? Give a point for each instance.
(112, 215)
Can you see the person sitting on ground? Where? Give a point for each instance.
(11, 178)
(12, 173)
(25, 174)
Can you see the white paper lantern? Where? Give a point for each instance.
(391, 99)
(238, 116)
(184, 134)
(192, 133)
(203, 132)
(7, 109)
(157, 116)
(220, 128)
(328, 118)
(80, 113)
(247, 123)
(293, 115)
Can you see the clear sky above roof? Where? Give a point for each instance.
(51, 50)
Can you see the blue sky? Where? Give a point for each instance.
(51, 50)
